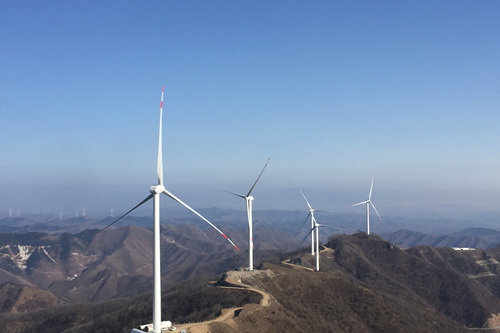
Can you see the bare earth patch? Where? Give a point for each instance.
(228, 315)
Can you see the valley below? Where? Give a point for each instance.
(102, 281)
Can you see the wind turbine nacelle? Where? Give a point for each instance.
(156, 189)
(163, 324)
(250, 198)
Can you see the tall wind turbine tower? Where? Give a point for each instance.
(315, 229)
(156, 191)
(368, 204)
(249, 198)
(10, 212)
(313, 220)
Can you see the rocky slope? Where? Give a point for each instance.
(92, 266)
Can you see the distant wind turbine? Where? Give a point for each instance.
(315, 228)
(249, 198)
(155, 191)
(313, 220)
(368, 204)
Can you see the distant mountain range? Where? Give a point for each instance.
(290, 222)
(468, 238)
(47, 263)
(365, 284)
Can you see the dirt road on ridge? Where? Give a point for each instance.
(227, 316)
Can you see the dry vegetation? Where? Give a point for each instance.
(193, 301)
(365, 285)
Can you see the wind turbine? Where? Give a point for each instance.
(313, 220)
(249, 198)
(368, 204)
(315, 228)
(155, 191)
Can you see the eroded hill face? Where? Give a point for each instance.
(92, 266)
(365, 285)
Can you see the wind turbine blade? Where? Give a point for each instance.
(329, 226)
(250, 192)
(195, 212)
(307, 235)
(360, 203)
(305, 220)
(118, 219)
(159, 165)
(236, 194)
(308, 205)
(371, 189)
(375, 209)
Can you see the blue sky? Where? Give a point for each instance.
(335, 92)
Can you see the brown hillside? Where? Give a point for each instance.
(434, 276)
(334, 302)
(365, 285)
(15, 299)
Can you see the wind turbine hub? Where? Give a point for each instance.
(157, 189)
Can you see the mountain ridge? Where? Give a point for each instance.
(477, 237)
(365, 284)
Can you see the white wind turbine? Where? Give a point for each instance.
(249, 198)
(314, 229)
(368, 204)
(313, 220)
(155, 191)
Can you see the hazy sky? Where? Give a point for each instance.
(335, 92)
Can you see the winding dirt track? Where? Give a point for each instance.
(287, 261)
(227, 316)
